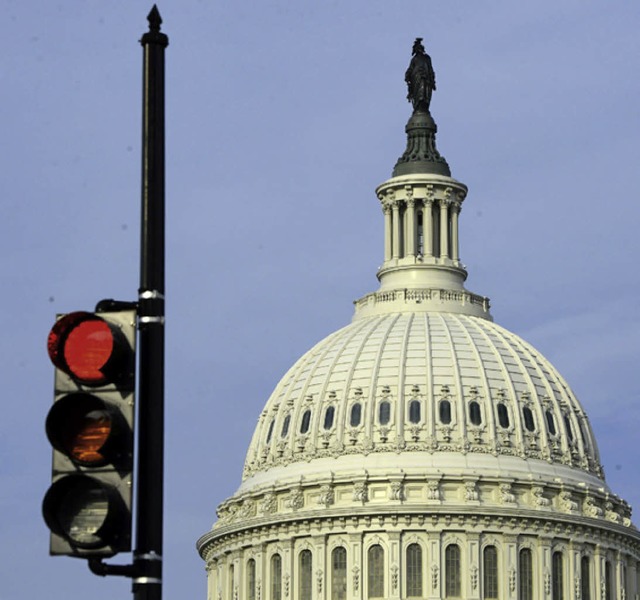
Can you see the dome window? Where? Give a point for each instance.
(270, 432)
(503, 416)
(328, 417)
(285, 426)
(384, 412)
(445, 412)
(452, 571)
(276, 577)
(525, 574)
(305, 570)
(475, 415)
(585, 579)
(251, 579)
(490, 572)
(414, 571)
(583, 435)
(306, 420)
(557, 576)
(376, 571)
(414, 411)
(567, 424)
(356, 415)
(528, 419)
(551, 423)
(339, 574)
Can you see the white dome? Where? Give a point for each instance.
(421, 386)
(422, 451)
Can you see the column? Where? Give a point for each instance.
(386, 209)
(455, 250)
(427, 227)
(444, 229)
(396, 229)
(410, 244)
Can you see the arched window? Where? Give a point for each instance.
(339, 574)
(384, 412)
(525, 575)
(328, 417)
(585, 578)
(305, 575)
(251, 579)
(503, 416)
(270, 432)
(452, 571)
(420, 232)
(232, 580)
(445, 412)
(276, 577)
(356, 414)
(474, 413)
(414, 571)
(557, 576)
(285, 426)
(551, 423)
(414, 411)
(306, 420)
(490, 572)
(375, 571)
(528, 419)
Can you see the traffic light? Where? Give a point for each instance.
(90, 426)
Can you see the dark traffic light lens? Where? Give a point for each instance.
(84, 428)
(84, 511)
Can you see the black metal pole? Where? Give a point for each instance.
(147, 557)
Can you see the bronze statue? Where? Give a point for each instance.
(420, 78)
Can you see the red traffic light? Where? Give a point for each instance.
(87, 348)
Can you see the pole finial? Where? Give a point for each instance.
(154, 18)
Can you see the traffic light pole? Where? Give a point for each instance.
(147, 557)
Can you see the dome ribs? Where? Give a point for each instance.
(456, 388)
(485, 390)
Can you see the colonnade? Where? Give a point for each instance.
(421, 228)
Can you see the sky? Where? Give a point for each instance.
(282, 118)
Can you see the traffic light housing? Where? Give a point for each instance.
(90, 426)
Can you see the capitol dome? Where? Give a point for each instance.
(422, 451)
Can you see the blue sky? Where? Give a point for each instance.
(282, 117)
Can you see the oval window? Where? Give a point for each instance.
(285, 426)
(270, 432)
(306, 420)
(384, 414)
(551, 424)
(567, 424)
(503, 415)
(528, 419)
(414, 411)
(445, 412)
(328, 417)
(356, 414)
(474, 413)
(583, 435)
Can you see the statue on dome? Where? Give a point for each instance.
(420, 78)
